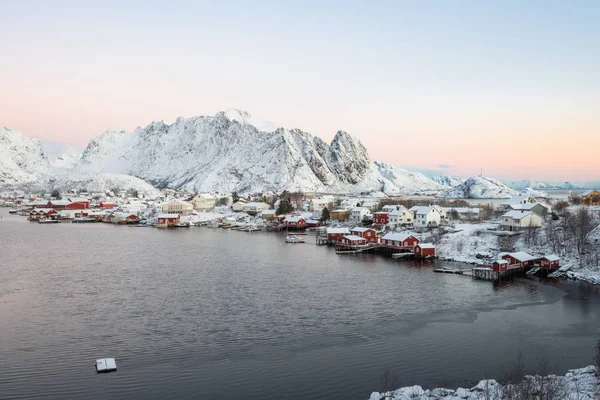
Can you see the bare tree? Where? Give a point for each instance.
(389, 382)
(507, 243)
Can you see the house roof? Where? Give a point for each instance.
(426, 246)
(519, 256)
(399, 237)
(518, 199)
(182, 202)
(337, 230)
(60, 202)
(360, 209)
(551, 257)
(588, 192)
(294, 219)
(501, 261)
(268, 212)
(359, 229)
(256, 204)
(353, 237)
(423, 210)
(517, 214)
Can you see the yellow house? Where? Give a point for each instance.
(269, 215)
(590, 197)
(340, 215)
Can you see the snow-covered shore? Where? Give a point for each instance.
(478, 243)
(576, 384)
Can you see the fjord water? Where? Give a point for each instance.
(201, 313)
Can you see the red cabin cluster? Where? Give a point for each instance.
(370, 235)
(508, 261)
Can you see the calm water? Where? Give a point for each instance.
(201, 313)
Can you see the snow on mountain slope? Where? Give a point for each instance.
(448, 181)
(536, 193)
(227, 152)
(61, 155)
(480, 187)
(244, 117)
(402, 180)
(21, 159)
(24, 164)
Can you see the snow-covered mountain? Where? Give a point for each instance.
(537, 185)
(480, 187)
(398, 179)
(448, 181)
(229, 152)
(22, 159)
(25, 165)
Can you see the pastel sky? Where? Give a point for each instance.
(510, 87)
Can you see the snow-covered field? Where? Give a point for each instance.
(576, 384)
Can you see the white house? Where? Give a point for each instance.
(238, 206)
(400, 216)
(178, 207)
(254, 208)
(319, 203)
(204, 202)
(427, 216)
(358, 214)
(520, 219)
(515, 201)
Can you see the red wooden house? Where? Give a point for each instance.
(381, 218)
(167, 219)
(425, 250)
(401, 241)
(313, 223)
(295, 222)
(366, 233)
(40, 213)
(351, 241)
(107, 205)
(333, 234)
(548, 262)
(500, 265)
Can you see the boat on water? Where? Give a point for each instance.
(13, 211)
(84, 220)
(294, 239)
(180, 225)
(446, 270)
(47, 221)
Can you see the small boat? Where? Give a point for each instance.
(180, 225)
(294, 239)
(447, 270)
(48, 221)
(13, 211)
(84, 220)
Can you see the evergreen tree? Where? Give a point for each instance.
(234, 197)
(325, 216)
(56, 194)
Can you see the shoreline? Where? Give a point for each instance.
(580, 383)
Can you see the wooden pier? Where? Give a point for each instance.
(449, 270)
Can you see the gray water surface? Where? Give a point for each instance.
(201, 313)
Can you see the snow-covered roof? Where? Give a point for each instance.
(381, 212)
(400, 211)
(517, 214)
(426, 246)
(399, 237)
(359, 229)
(268, 212)
(168, 215)
(337, 230)
(60, 202)
(359, 209)
(353, 237)
(552, 257)
(340, 210)
(78, 199)
(312, 221)
(422, 210)
(501, 261)
(519, 199)
(519, 256)
(256, 204)
(588, 192)
(181, 202)
(206, 196)
(293, 219)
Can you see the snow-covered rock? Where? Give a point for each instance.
(448, 181)
(536, 193)
(22, 159)
(480, 187)
(575, 384)
(402, 180)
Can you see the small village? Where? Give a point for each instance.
(520, 235)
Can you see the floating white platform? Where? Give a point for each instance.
(106, 365)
